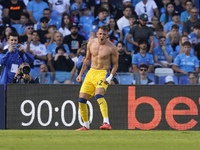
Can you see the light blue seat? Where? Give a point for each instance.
(184, 80)
(162, 80)
(125, 78)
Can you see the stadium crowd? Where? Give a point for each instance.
(154, 38)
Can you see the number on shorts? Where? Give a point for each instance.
(100, 82)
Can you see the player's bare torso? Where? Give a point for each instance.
(101, 54)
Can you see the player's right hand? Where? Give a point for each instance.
(78, 79)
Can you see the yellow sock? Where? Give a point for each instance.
(84, 111)
(103, 107)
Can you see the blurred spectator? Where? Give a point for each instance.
(35, 9)
(141, 31)
(48, 76)
(167, 16)
(154, 21)
(74, 14)
(74, 40)
(185, 62)
(197, 50)
(169, 80)
(85, 23)
(65, 25)
(43, 30)
(144, 80)
(6, 23)
(147, 7)
(196, 3)
(131, 19)
(124, 59)
(175, 20)
(185, 16)
(188, 26)
(102, 15)
(29, 30)
(179, 48)
(58, 8)
(194, 37)
(106, 6)
(49, 37)
(10, 60)
(163, 9)
(163, 54)
(179, 6)
(119, 8)
(47, 13)
(4, 38)
(142, 57)
(58, 41)
(12, 9)
(63, 66)
(98, 6)
(174, 36)
(37, 49)
(193, 78)
(123, 21)
(23, 76)
(80, 5)
(159, 33)
(115, 34)
(21, 27)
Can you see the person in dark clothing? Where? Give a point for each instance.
(6, 23)
(43, 30)
(63, 66)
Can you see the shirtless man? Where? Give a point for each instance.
(102, 52)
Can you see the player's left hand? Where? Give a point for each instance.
(106, 82)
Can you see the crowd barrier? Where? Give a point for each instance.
(152, 107)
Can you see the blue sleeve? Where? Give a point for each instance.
(155, 51)
(151, 62)
(162, 18)
(49, 49)
(170, 53)
(166, 27)
(28, 58)
(196, 62)
(79, 62)
(67, 49)
(182, 17)
(29, 7)
(134, 60)
(4, 58)
(177, 60)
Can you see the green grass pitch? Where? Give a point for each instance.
(98, 140)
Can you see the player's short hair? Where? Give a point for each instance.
(175, 26)
(102, 9)
(46, 9)
(194, 73)
(187, 44)
(197, 26)
(144, 66)
(189, 1)
(104, 28)
(127, 7)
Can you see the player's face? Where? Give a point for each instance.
(189, 6)
(60, 51)
(170, 8)
(102, 36)
(127, 12)
(194, 13)
(176, 18)
(103, 15)
(112, 22)
(131, 21)
(187, 50)
(192, 79)
(8, 30)
(184, 39)
(143, 46)
(13, 40)
(66, 20)
(159, 33)
(120, 48)
(35, 37)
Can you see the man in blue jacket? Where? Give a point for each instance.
(11, 58)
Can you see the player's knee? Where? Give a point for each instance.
(98, 96)
(82, 100)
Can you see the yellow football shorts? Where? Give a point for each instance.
(94, 79)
